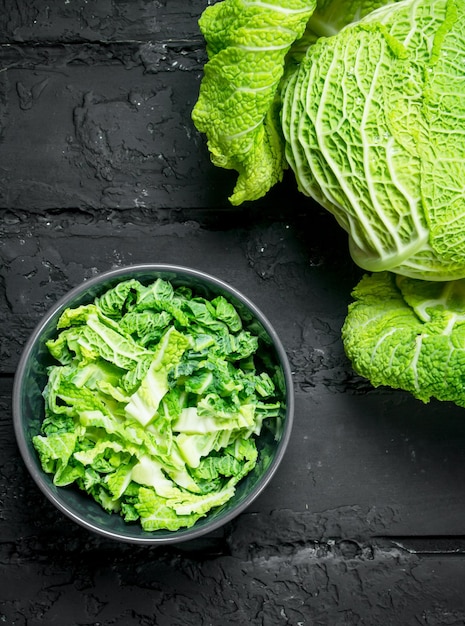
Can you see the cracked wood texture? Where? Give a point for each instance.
(100, 166)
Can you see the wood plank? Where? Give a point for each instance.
(115, 129)
(297, 586)
(98, 20)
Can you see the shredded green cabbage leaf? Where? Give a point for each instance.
(155, 402)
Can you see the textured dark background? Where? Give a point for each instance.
(100, 166)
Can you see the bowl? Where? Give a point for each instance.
(28, 408)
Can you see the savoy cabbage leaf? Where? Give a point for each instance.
(409, 334)
(247, 42)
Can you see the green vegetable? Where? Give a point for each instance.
(156, 402)
(366, 99)
(409, 334)
(247, 43)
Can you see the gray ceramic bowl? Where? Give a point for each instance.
(28, 411)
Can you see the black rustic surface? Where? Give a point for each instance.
(100, 167)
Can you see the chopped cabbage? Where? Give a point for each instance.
(155, 402)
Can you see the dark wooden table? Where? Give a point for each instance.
(100, 167)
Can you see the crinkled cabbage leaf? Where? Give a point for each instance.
(237, 108)
(409, 334)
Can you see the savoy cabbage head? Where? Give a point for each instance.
(365, 101)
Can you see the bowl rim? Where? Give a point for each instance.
(124, 272)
